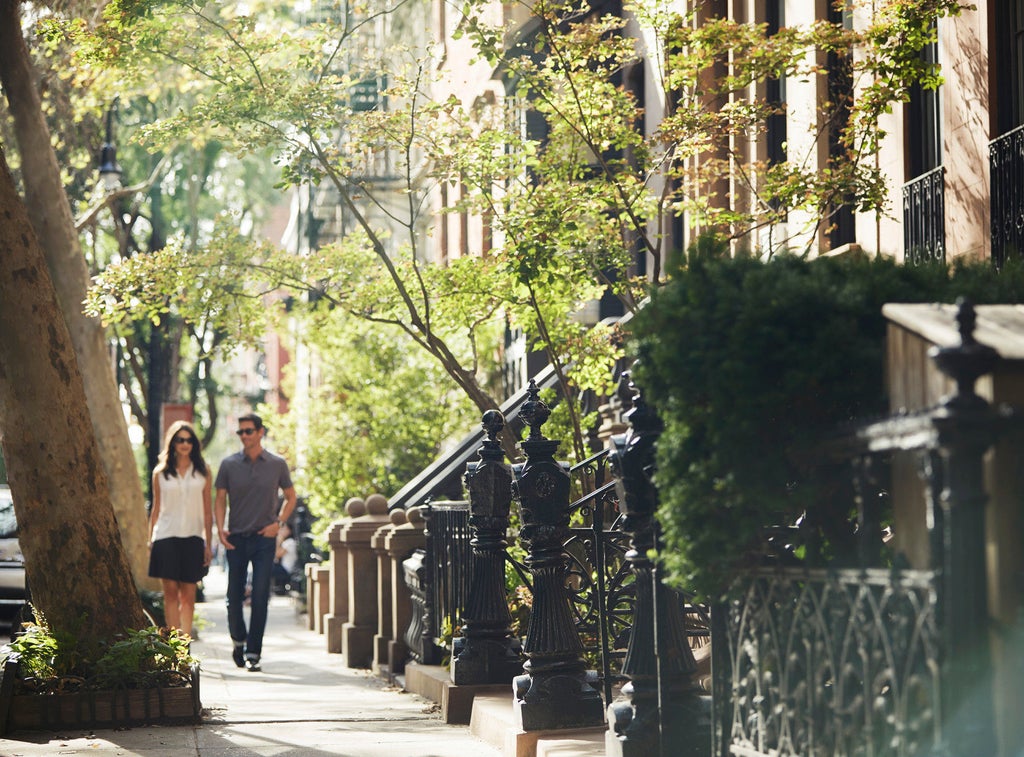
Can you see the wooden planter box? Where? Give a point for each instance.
(96, 709)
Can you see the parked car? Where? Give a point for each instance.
(13, 594)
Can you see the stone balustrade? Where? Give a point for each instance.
(361, 624)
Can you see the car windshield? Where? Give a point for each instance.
(8, 525)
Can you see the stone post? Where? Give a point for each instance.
(645, 722)
(487, 652)
(338, 591)
(310, 570)
(357, 632)
(384, 583)
(321, 597)
(403, 540)
(555, 692)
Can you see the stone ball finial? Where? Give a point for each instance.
(398, 517)
(377, 504)
(355, 507)
(414, 516)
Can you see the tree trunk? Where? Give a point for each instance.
(77, 568)
(51, 217)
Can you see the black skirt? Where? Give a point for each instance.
(178, 559)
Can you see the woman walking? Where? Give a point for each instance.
(181, 523)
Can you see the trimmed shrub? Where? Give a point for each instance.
(751, 365)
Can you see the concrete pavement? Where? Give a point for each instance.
(304, 703)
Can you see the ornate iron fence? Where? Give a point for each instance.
(600, 582)
(830, 664)
(870, 660)
(417, 637)
(924, 225)
(1006, 171)
(447, 569)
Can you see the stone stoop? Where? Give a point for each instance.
(494, 721)
(434, 682)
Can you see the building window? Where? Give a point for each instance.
(841, 228)
(924, 127)
(924, 208)
(1006, 159)
(1009, 73)
(775, 90)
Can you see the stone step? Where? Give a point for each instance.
(494, 721)
(434, 682)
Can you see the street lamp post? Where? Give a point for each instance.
(110, 171)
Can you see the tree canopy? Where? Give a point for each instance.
(576, 208)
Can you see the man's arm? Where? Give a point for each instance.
(220, 507)
(289, 504)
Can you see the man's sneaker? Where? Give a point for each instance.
(252, 663)
(238, 655)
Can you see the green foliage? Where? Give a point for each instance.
(568, 205)
(383, 412)
(751, 365)
(51, 661)
(711, 122)
(146, 658)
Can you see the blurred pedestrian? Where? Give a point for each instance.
(285, 558)
(247, 493)
(180, 523)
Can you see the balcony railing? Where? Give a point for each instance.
(1006, 171)
(924, 227)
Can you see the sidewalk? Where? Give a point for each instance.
(304, 703)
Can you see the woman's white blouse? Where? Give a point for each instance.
(181, 506)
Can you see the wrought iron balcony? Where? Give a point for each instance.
(1006, 178)
(924, 227)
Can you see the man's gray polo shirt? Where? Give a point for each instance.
(252, 487)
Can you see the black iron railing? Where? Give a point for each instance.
(1006, 178)
(447, 571)
(843, 662)
(876, 660)
(924, 226)
(600, 581)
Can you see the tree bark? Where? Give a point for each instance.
(54, 225)
(77, 568)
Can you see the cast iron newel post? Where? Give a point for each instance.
(487, 652)
(965, 424)
(555, 692)
(644, 723)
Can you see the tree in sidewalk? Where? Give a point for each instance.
(51, 217)
(74, 559)
(168, 192)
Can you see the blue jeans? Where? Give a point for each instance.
(259, 552)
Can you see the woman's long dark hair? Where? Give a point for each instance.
(167, 458)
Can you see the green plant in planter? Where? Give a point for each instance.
(750, 365)
(53, 662)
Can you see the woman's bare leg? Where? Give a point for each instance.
(187, 604)
(172, 601)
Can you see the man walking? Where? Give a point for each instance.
(248, 482)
